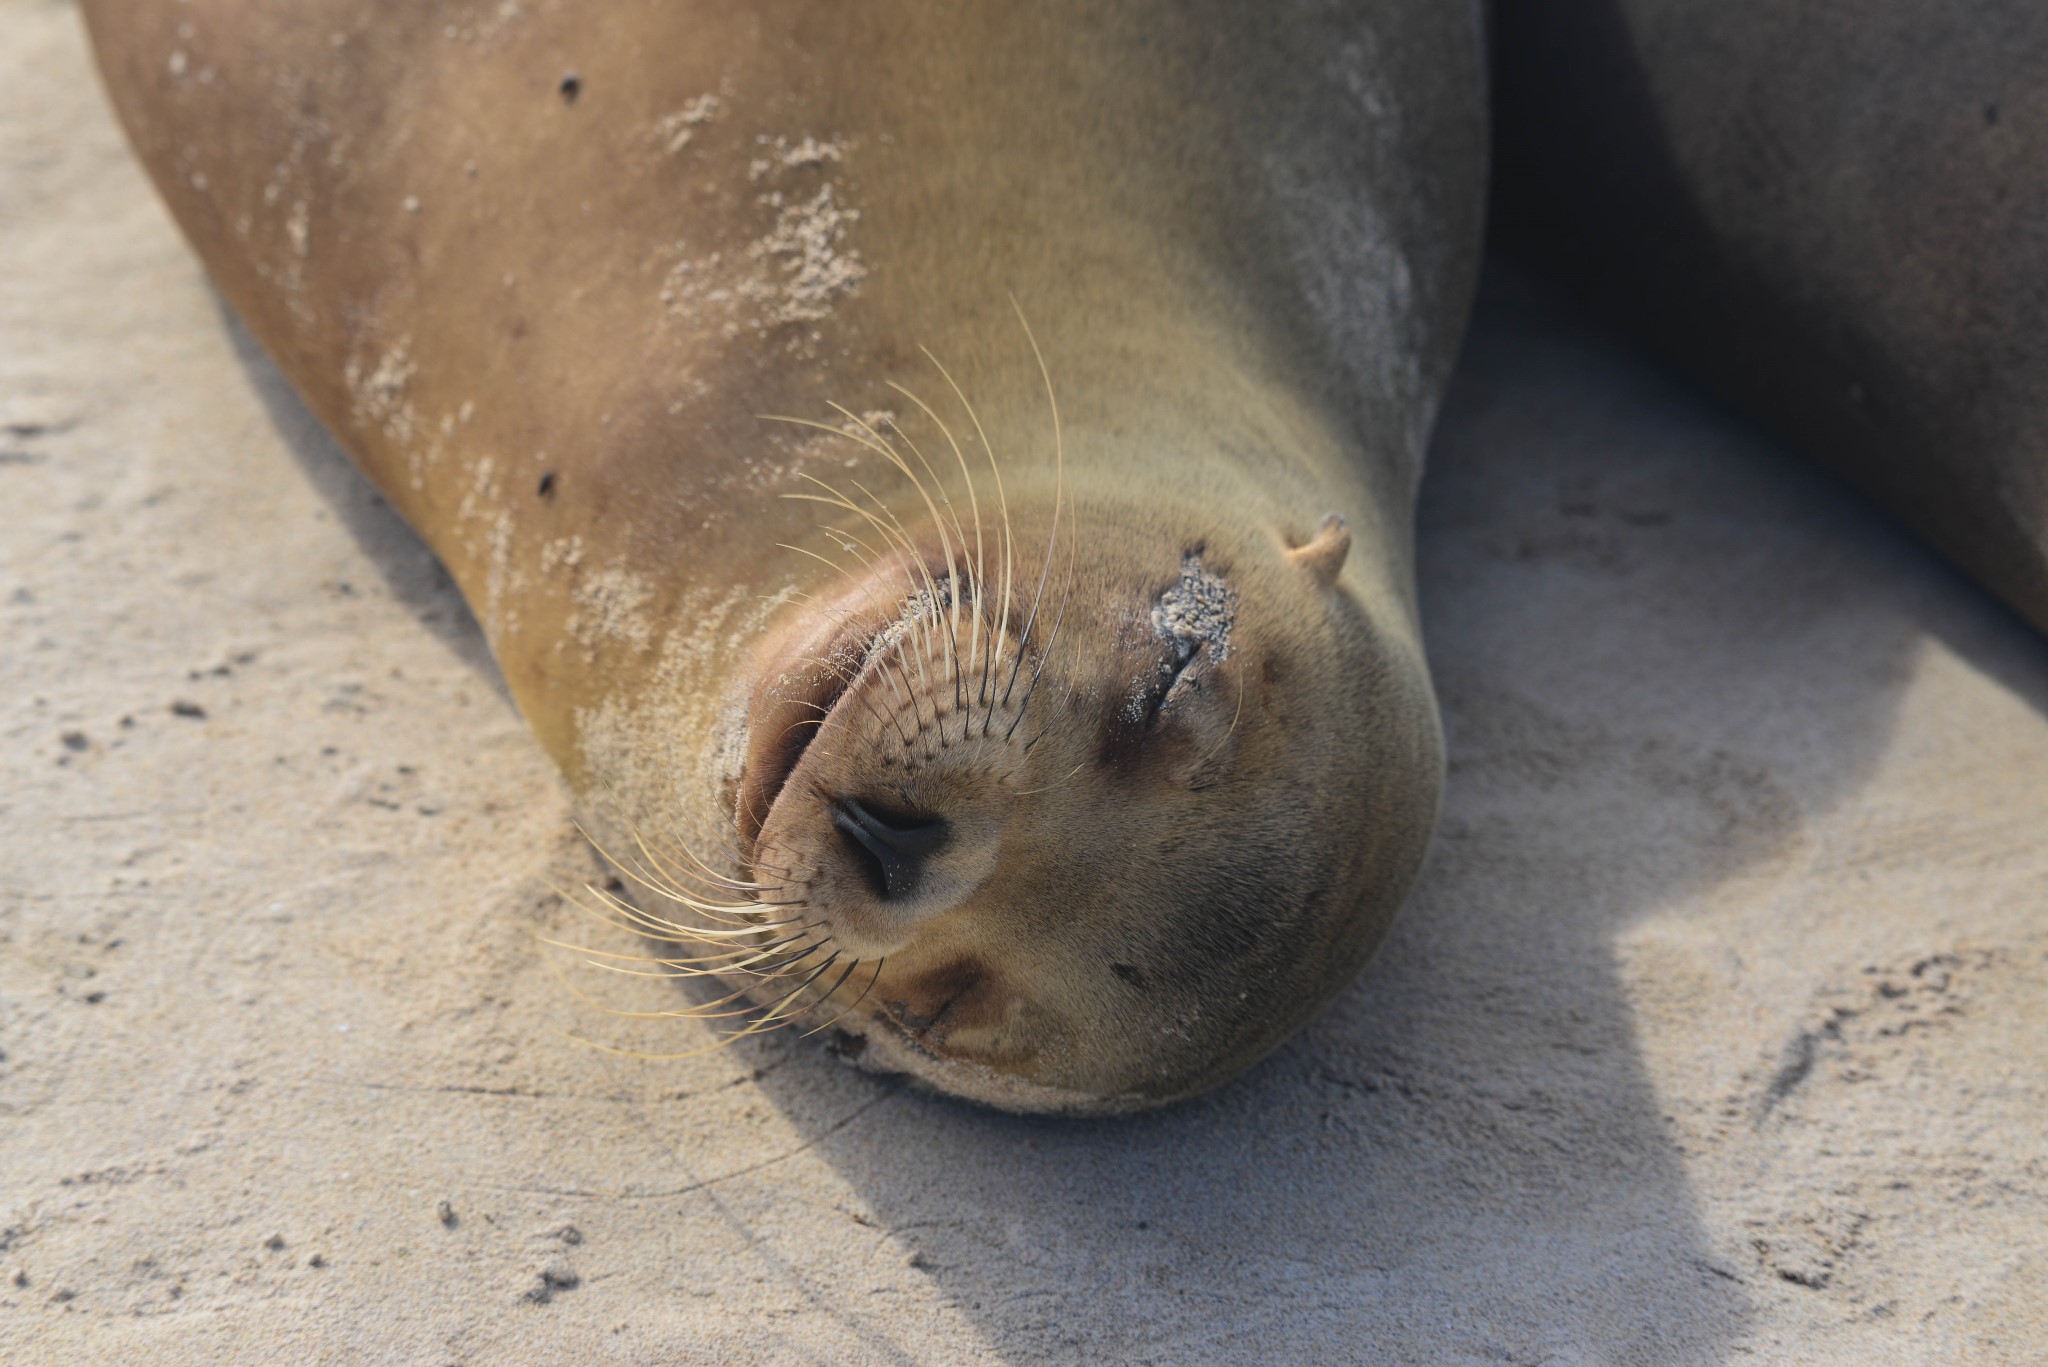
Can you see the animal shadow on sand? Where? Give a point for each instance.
(1661, 647)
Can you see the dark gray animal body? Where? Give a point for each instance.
(1834, 216)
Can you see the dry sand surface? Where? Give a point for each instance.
(1716, 1031)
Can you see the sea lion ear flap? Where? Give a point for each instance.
(1323, 554)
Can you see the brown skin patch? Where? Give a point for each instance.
(962, 1010)
(931, 997)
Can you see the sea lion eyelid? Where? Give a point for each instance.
(1182, 672)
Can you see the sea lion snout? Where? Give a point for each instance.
(891, 809)
(876, 852)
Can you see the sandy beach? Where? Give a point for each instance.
(1716, 1032)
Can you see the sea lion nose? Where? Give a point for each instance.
(890, 846)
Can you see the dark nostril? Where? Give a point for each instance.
(892, 845)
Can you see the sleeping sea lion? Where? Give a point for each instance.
(938, 480)
(1834, 216)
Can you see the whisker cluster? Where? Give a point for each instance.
(955, 619)
(756, 942)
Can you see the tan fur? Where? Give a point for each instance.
(551, 316)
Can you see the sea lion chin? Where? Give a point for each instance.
(1000, 697)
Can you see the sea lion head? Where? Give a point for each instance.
(1092, 829)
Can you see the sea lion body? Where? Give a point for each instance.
(547, 269)
(1835, 216)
